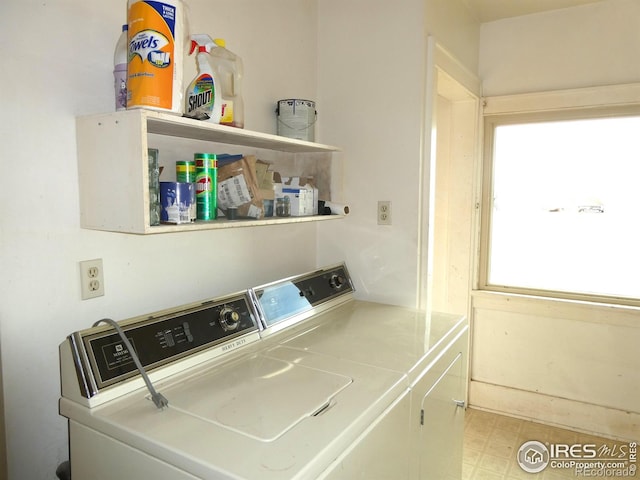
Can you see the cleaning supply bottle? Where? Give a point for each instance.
(230, 71)
(120, 60)
(202, 99)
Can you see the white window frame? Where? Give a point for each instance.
(606, 101)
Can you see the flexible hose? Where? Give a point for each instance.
(159, 400)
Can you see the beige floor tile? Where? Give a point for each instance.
(501, 450)
(492, 441)
(522, 475)
(474, 441)
(472, 456)
(534, 431)
(558, 435)
(516, 473)
(467, 471)
(480, 474)
(508, 423)
(505, 437)
(494, 464)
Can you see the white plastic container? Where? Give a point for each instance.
(157, 34)
(230, 72)
(120, 59)
(202, 98)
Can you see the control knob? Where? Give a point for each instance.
(336, 281)
(229, 319)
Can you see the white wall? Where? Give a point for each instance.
(577, 366)
(455, 29)
(595, 44)
(57, 65)
(277, 41)
(372, 61)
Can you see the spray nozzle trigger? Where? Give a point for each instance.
(202, 42)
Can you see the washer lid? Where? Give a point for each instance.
(261, 398)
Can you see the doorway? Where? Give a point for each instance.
(453, 220)
(451, 173)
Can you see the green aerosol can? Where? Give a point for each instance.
(206, 186)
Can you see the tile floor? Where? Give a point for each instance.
(491, 443)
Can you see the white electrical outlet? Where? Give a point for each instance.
(384, 212)
(91, 278)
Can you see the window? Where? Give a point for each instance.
(563, 199)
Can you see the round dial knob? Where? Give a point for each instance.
(229, 319)
(336, 281)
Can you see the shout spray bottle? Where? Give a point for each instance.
(203, 100)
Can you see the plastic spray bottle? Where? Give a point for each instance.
(120, 60)
(202, 99)
(229, 69)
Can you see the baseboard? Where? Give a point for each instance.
(559, 412)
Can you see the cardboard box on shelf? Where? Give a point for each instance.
(266, 179)
(238, 187)
(303, 195)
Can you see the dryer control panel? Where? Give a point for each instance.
(294, 297)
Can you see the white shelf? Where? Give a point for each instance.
(176, 126)
(224, 223)
(113, 166)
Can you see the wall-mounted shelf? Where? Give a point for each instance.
(113, 165)
(175, 126)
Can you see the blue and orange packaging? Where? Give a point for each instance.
(156, 45)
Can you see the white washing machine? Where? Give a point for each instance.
(290, 380)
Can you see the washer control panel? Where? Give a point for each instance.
(164, 337)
